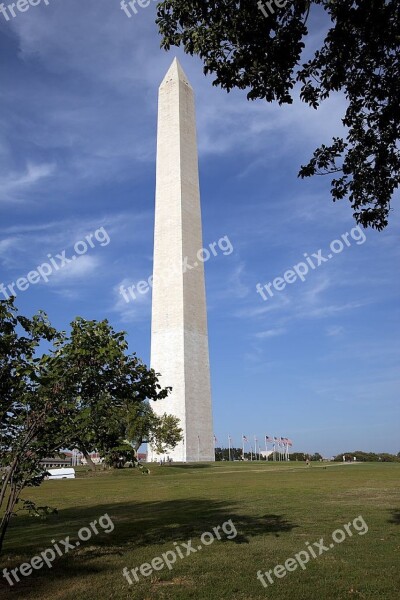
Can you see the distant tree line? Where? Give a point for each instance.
(368, 456)
(237, 454)
(304, 456)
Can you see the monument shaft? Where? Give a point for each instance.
(179, 338)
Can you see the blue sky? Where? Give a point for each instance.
(317, 362)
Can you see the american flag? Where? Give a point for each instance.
(268, 438)
(245, 438)
(215, 438)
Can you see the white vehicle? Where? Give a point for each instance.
(63, 473)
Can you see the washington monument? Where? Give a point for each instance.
(179, 336)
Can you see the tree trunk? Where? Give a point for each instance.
(7, 476)
(14, 493)
(91, 464)
(135, 447)
(86, 454)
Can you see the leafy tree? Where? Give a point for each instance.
(140, 425)
(165, 433)
(31, 407)
(145, 427)
(316, 456)
(236, 454)
(110, 389)
(298, 456)
(263, 53)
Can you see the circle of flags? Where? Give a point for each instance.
(279, 447)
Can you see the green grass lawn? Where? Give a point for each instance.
(276, 509)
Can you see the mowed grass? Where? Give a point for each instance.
(276, 508)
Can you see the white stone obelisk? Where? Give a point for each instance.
(179, 337)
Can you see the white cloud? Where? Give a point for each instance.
(329, 310)
(270, 333)
(334, 330)
(275, 131)
(13, 186)
(6, 249)
(137, 307)
(236, 285)
(252, 311)
(82, 267)
(312, 294)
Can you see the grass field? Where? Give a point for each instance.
(275, 508)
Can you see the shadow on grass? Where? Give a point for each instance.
(135, 525)
(395, 520)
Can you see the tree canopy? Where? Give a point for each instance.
(109, 389)
(263, 51)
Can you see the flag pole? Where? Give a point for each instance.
(229, 447)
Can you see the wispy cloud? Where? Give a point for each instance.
(236, 282)
(253, 311)
(137, 309)
(270, 333)
(15, 185)
(80, 268)
(329, 310)
(6, 247)
(334, 330)
(312, 294)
